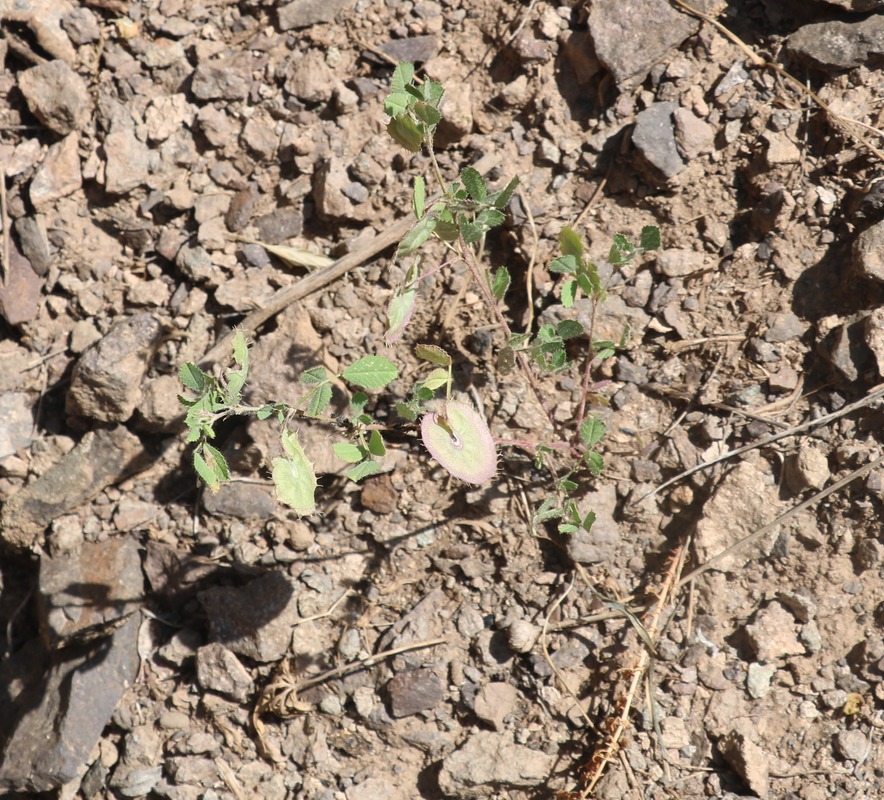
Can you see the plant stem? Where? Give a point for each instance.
(473, 267)
(587, 370)
(435, 164)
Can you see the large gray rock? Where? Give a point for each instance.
(857, 6)
(99, 584)
(58, 174)
(99, 460)
(127, 161)
(488, 762)
(62, 718)
(106, 384)
(744, 501)
(868, 252)
(630, 38)
(304, 13)
(654, 140)
(17, 413)
(256, 620)
(838, 45)
(56, 95)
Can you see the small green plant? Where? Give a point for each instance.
(454, 434)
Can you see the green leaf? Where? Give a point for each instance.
(474, 183)
(193, 377)
(422, 394)
(348, 452)
(622, 250)
(313, 375)
(216, 461)
(241, 351)
(438, 377)
(588, 521)
(570, 243)
(433, 353)
(604, 353)
(408, 411)
(500, 282)
(402, 76)
(206, 474)
(371, 372)
(376, 444)
(293, 476)
(396, 104)
(592, 431)
(362, 470)
(426, 113)
(501, 199)
(569, 328)
(566, 486)
(490, 218)
(399, 313)
(419, 233)
(358, 402)
(568, 527)
(406, 133)
(569, 293)
(650, 238)
(432, 92)
(265, 412)
(319, 400)
(419, 198)
(471, 233)
(447, 231)
(595, 462)
(567, 264)
(547, 511)
(236, 379)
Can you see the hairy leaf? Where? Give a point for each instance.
(399, 313)
(426, 113)
(348, 452)
(570, 243)
(433, 353)
(206, 474)
(419, 199)
(474, 183)
(402, 76)
(193, 377)
(376, 444)
(460, 441)
(371, 372)
(438, 377)
(595, 462)
(406, 133)
(313, 375)
(650, 238)
(500, 282)
(319, 400)
(501, 199)
(293, 476)
(569, 328)
(592, 431)
(362, 470)
(419, 233)
(567, 264)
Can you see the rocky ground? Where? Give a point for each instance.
(422, 638)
